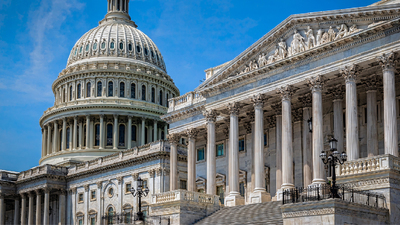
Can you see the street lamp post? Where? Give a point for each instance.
(140, 192)
(333, 158)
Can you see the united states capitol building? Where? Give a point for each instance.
(244, 147)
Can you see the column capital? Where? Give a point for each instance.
(115, 116)
(101, 116)
(233, 108)
(46, 189)
(73, 190)
(173, 138)
(306, 100)
(88, 116)
(64, 119)
(258, 100)
(135, 176)
(277, 108)
(31, 194)
(86, 186)
(119, 179)
(349, 73)
(76, 117)
(99, 184)
(23, 195)
(210, 115)
(337, 91)
(372, 82)
(151, 172)
(387, 61)
(38, 192)
(316, 83)
(130, 116)
(191, 133)
(286, 92)
(63, 192)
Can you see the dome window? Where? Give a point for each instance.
(138, 49)
(152, 54)
(110, 89)
(121, 46)
(80, 49)
(76, 50)
(158, 58)
(87, 47)
(103, 45)
(146, 51)
(95, 46)
(112, 45)
(130, 47)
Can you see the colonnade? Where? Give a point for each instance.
(33, 214)
(79, 136)
(313, 143)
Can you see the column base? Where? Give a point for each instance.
(259, 197)
(317, 182)
(278, 195)
(234, 200)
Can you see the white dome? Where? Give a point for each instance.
(116, 38)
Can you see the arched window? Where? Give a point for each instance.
(121, 46)
(122, 89)
(68, 137)
(161, 97)
(61, 140)
(138, 49)
(79, 91)
(111, 213)
(109, 134)
(70, 93)
(143, 93)
(130, 46)
(133, 138)
(88, 87)
(153, 95)
(112, 45)
(95, 46)
(99, 87)
(110, 88)
(162, 135)
(121, 135)
(97, 135)
(133, 90)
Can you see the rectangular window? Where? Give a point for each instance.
(265, 139)
(92, 221)
(241, 189)
(128, 217)
(93, 195)
(220, 192)
(183, 184)
(80, 222)
(144, 184)
(241, 144)
(80, 198)
(220, 149)
(128, 187)
(200, 154)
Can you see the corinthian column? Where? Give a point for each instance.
(88, 131)
(61, 213)
(191, 134)
(56, 147)
(234, 197)
(372, 121)
(30, 209)
(278, 134)
(38, 207)
(337, 94)
(64, 134)
(316, 85)
(129, 131)
(102, 135)
(44, 153)
(259, 194)
(115, 141)
(173, 163)
(45, 140)
(155, 132)
(2, 209)
(74, 133)
(23, 209)
(306, 101)
(16, 212)
(352, 146)
(49, 151)
(80, 145)
(46, 206)
(287, 146)
(388, 63)
(142, 135)
(211, 117)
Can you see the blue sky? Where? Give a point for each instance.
(36, 37)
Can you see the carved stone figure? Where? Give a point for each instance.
(261, 60)
(274, 57)
(247, 69)
(254, 65)
(319, 37)
(310, 38)
(343, 31)
(289, 51)
(103, 93)
(298, 44)
(353, 29)
(93, 92)
(282, 49)
(325, 38)
(331, 34)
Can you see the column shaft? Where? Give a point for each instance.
(23, 209)
(351, 120)
(287, 146)
(389, 112)
(129, 132)
(44, 153)
(115, 138)
(45, 141)
(38, 208)
(165, 131)
(307, 148)
(31, 209)
(101, 138)
(372, 134)
(61, 213)
(2, 209)
(155, 130)
(174, 166)
(142, 136)
(278, 134)
(17, 216)
(192, 161)
(317, 135)
(64, 135)
(75, 134)
(80, 145)
(88, 131)
(56, 147)
(259, 173)
(338, 123)
(211, 159)
(47, 207)
(49, 151)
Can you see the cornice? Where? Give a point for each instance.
(189, 111)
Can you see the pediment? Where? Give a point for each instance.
(301, 36)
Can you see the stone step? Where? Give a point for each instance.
(264, 213)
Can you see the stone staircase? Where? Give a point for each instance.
(264, 213)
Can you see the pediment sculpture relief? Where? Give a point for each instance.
(299, 44)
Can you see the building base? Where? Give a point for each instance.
(234, 200)
(259, 197)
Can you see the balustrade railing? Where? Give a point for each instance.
(370, 164)
(185, 100)
(322, 192)
(183, 195)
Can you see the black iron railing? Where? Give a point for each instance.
(127, 219)
(321, 192)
